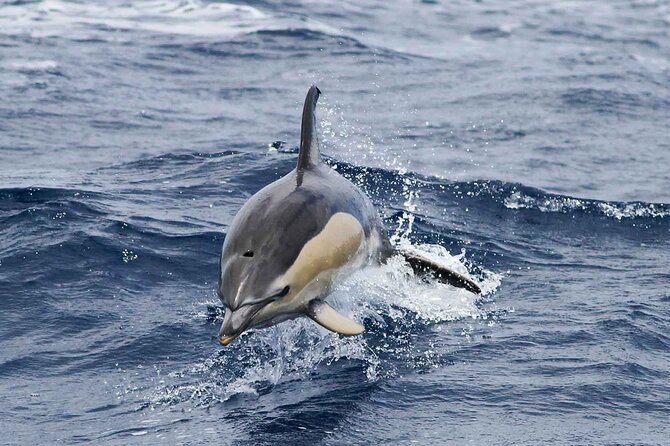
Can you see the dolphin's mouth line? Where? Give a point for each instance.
(257, 302)
(276, 296)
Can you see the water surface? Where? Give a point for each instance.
(525, 142)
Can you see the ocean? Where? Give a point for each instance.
(524, 142)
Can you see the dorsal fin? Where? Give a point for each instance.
(309, 145)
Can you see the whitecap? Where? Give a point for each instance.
(89, 20)
(559, 204)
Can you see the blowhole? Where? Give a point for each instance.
(248, 254)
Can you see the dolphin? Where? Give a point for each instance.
(297, 237)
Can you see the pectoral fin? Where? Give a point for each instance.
(326, 316)
(422, 265)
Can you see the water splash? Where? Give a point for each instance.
(356, 144)
(401, 236)
(563, 204)
(393, 304)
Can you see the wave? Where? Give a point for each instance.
(513, 196)
(213, 29)
(544, 202)
(93, 21)
(125, 200)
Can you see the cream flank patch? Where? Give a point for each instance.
(332, 248)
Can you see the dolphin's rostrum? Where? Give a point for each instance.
(295, 237)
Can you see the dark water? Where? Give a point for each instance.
(527, 141)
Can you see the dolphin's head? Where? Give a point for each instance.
(250, 280)
(245, 291)
(261, 246)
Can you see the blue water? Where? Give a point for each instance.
(525, 141)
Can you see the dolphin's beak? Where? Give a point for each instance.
(225, 340)
(235, 322)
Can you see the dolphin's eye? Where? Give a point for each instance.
(284, 292)
(248, 254)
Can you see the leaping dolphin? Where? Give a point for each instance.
(297, 237)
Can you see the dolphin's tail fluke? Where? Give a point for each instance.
(423, 266)
(309, 146)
